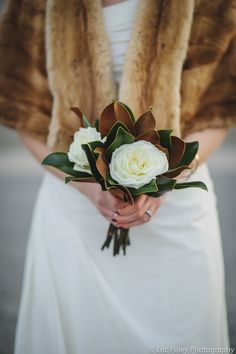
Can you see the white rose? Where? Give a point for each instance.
(76, 154)
(135, 165)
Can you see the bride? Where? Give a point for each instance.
(167, 293)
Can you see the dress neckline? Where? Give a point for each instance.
(117, 3)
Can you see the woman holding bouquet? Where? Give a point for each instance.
(177, 56)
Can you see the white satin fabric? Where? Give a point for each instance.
(168, 291)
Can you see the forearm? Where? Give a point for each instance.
(39, 150)
(209, 141)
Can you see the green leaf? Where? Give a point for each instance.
(110, 181)
(164, 185)
(122, 137)
(61, 161)
(174, 172)
(151, 187)
(96, 124)
(80, 179)
(86, 121)
(165, 137)
(112, 133)
(190, 151)
(163, 180)
(92, 161)
(196, 184)
(94, 144)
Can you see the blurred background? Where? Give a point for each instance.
(20, 177)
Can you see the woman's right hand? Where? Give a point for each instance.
(104, 201)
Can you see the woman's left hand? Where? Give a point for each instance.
(134, 215)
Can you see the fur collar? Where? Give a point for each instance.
(82, 66)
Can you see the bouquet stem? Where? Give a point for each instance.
(121, 239)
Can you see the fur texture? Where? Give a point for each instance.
(55, 54)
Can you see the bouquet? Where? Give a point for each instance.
(126, 156)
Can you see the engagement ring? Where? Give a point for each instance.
(148, 212)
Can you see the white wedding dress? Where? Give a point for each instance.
(167, 292)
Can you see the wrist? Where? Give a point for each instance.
(186, 174)
(194, 164)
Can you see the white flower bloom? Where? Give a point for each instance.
(135, 165)
(76, 154)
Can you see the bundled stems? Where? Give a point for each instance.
(121, 239)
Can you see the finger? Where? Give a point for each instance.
(144, 219)
(153, 207)
(150, 203)
(130, 209)
(137, 222)
(134, 216)
(115, 203)
(108, 214)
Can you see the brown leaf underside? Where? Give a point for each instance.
(177, 151)
(79, 114)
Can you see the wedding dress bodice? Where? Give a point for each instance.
(119, 19)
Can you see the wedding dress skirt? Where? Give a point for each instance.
(167, 292)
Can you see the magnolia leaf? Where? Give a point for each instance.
(112, 133)
(110, 180)
(151, 135)
(147, 188)
(145, 122)
(122, 115)
(96, 124)
(197, 184)
(127, 195)
(107, 119)
(95, 144)
(111, 183)
(165, 150)
(101, 162)
(113, 113)
(172, 173)
(61, 161)
(117, 193)
(92, 161)
(129, 111)
(122, 137)
(164, 185)
(79, 114)
(176, 151)
(190, 151)
(80, 179)
(86, 121)
(157, 194)
(165, 136)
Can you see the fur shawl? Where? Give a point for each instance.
(55, 54)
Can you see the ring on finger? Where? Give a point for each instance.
(114, 215)
(148, 212)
